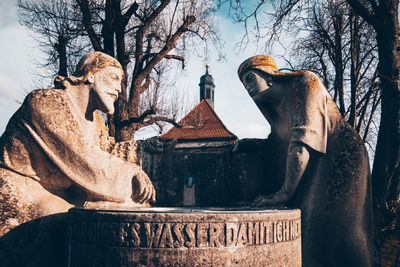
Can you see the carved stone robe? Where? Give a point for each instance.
(48, 162)
(334, 191)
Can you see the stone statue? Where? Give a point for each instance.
(55, 151)
(326, 168)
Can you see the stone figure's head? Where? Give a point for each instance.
(261, 62)
(102, 73)
(258, 74)
(94, 62)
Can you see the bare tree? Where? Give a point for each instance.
(56, 32)
(141, 35)
(331, 40)
(383, 17)
(339, 48)
(171, 102)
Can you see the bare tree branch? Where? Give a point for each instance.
(364, 12)
(139, 119)
(176, 57)
(128, 14)
(140, 35)
(87, 22)
(168, 47)
(154, 119)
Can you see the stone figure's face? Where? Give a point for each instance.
(255, 84)
(106, 85)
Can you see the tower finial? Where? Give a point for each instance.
(207, 66)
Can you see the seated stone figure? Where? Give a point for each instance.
(55, 151)
(326, 173)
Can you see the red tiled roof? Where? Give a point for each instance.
(200, 123)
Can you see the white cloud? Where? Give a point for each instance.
(8, 13)
(17, 53)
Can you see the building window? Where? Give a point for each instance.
(208, 93)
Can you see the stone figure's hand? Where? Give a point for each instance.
(143, 189)
(277, 199)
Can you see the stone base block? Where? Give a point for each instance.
(184, 237)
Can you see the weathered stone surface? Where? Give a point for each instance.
(326, 171)
(37, 243)
(184, 237)
(55, 152)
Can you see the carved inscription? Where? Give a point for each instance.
(190, 235)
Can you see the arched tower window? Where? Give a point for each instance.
(207, 87)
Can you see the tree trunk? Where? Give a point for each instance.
(107, 31)
(123, 112)
(61, 48)
(126, 132)
(127, 118)
(87, 23)
(386, 170)
(339, 69)
(355, 62)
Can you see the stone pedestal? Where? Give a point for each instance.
(184, 237)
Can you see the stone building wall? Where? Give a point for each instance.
(222, 178)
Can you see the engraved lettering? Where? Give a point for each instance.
(166, 240)
(135, 230)
(159, 235)
(264, 233)
(270, 232)
(189, 231)
(285, 231)
(215, 232)
(298, 229)
(123, 235)
(153, 233)
(231, 231)
(292, 232)
(253, 233)
(242, 235)
(202, 234)
(177, 232)
(273, 232)
(129, 235)
(278, 232)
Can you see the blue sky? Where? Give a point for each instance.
(15, 67)
(232, 103)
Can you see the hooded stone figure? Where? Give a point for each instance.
(55, 152)
(325, 164)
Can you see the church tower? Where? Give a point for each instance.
(207, 87)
